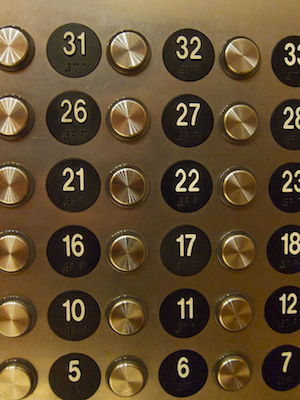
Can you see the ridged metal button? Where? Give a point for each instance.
(240, 57)
(127, 376)
(16, 184)
(128, 119)
(238, 187)
(128, 52)
(127, 315)
(16, 117)
(237, 250)
(127, 251)
(234, 312)
(18, 379)
(232, 372)
(240, 122)
(16, 251)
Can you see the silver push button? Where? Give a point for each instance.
(234, 312)
(232, 372)
(240, 58)
(237, 250)
(16, 251)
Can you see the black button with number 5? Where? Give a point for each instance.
(286, 61)
(73, 117)
(186, 186)
(188, 55)
(284, 187)
(74, 377)
(74, 50)
(73, 185)
(187, 120)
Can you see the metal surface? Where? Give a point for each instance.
(127, 316)
(234, 312)
(14, 318)
(14, 46)
(14, 185)
(266, 23)
(240, 122)
(238, 187)
(13, 116)
(237, 250)
(233, 372)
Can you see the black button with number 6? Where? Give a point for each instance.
(74, 376)
(186, 186)
(188, 55)
(187, 120)
(74, 50)
(286, 61)
(73, 185)
(73, 117)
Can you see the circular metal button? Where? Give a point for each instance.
(232, 372)
(128, 52)
(240, 58)
(127, 315)
(127, 185)
(17, 316)
(237, 187)
(16, 48)
(237, 250)
(239, 122)
(16, 117)
(18, 379)
(127, 251)
(16, 184)
(128, 119)
(16, 251)
(234, 312)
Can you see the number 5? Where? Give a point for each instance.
(73, 369)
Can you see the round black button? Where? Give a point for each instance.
(186, 186)
(187, 120)
(184, 313)
(281, 368)
(285, 124)
(286, 61)
(73, 185)
(283, 249)
(185, 250)
(183, 373)
(73, 117)
(284, 187)
(74, 315)
(188, 55)
(74, 377)
(282, 310)
(74, 50)
(73, 251)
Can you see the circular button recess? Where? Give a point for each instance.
(237, 187)
(282, 310)
(232, 372)
(73, 185)
(127, 315)
(16, 48)
(74, 50)
(127, 251)
(281, 367)
(240, 58)
(16, 117)
(188, 55)
(74, 315)
(185, 250)
(17, 316)
(234, 312)
(239, 122)
(73, 251)
(236, 250)
(127, 376)
(284, 187)
(128, 52)
(283, 249)
(187, 120)
(285, 124)
(18, 379)
(74, 377)
(128, 119)
(16, 184)
(127, 185)
(73, 117)
(183, 373)
(186, 186)
(286, 61)
(17, 251)
(184, 313)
